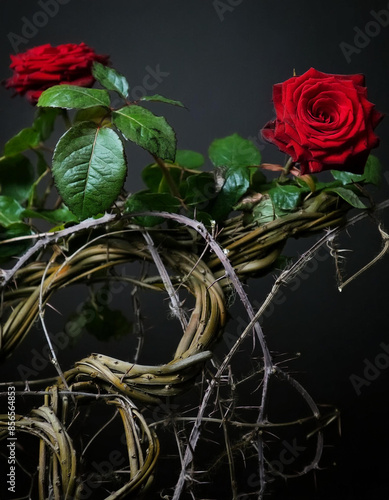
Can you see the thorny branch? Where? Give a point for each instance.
(54, 359)
(269, 367)
(385, 247)
(175, 305)
(45, 239)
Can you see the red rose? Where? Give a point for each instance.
(324, 121)
(42, 67)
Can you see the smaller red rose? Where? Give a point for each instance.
(324, 121)
(44, 66)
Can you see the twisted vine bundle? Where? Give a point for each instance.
(250, 248)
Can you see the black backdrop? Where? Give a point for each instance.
(221, 59)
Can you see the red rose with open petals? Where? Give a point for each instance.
(324, 121)
(42, 67)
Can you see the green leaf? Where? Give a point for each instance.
(347, 177)
(348, 195)
(371, 174)
(327, 186)
(95, 114)
(110, 79)
(10, 211)
(234, 151)
(161, 98)
(236, 183)
(16, 177)
(27, 138)
(89, 168)
(155, 180)
(257, 179)
(286, 197)
(145, 202)
(17, 247)
(44, 122)
(152, 177)
(72, 96)
(199, 190)
(373, 171)
(266, 211)
(189, 159)
(41, 164)
(58, 216)
(149, 131)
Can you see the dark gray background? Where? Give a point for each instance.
(222, 65)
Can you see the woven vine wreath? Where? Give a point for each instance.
(58, 467)
(203, 231)
(203, 328)
(125, 382)
(122, 383)
(250, 249)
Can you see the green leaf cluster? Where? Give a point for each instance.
(19, 178)
(89, 167)
(89, 162)
(11, 226)
(146, 202)
(287, 195)
(31, 137)
(205, 195)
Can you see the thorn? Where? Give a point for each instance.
(54, 309)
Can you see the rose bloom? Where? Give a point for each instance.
(45, 66)
(324, 121)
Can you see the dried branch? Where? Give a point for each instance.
(45, 239)
(175, 305)
(385, 247)
(54, 359)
